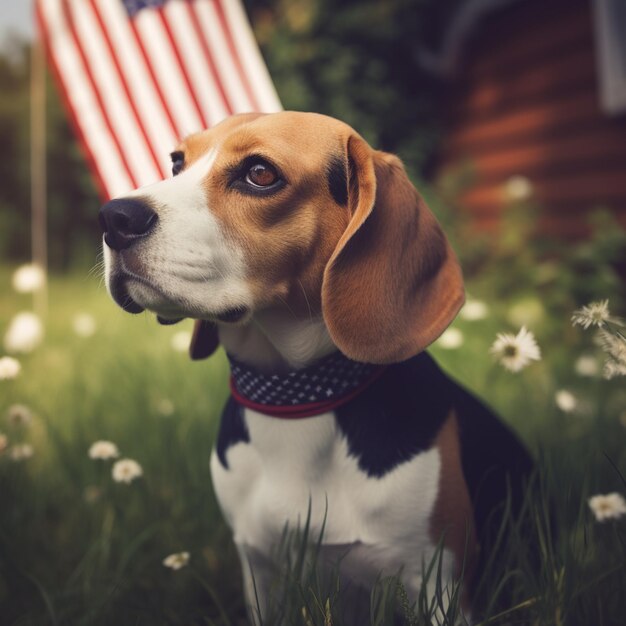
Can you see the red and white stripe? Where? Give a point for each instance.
(135, 87)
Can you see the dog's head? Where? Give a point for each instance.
(286, 210)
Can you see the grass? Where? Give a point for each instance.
(78, 549)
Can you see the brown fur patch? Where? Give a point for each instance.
(452, 517)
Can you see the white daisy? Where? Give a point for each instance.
(565, 400)
(19, 415)
(474, 310)
(612, 369)
(24, 334)
(21, 451)
(180, 341)
(126, 470)
(451, 339)
(515, 352)
(593, 314)
(518, 188)
(84, 324)
(103, 450)
(9, 368)
(4, 442)
(609, 506)
(615, 347)
(177, 560)
(28, 278)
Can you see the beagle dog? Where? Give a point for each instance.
(312, 259)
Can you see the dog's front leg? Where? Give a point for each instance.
(258, 573)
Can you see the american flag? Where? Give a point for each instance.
(139, 75)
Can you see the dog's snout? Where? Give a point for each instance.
(124, 221)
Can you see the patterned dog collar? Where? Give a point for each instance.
(319, 388)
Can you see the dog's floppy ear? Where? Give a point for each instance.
(204, 340)
(393, 283)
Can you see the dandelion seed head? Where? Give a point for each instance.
(21, 452)
(451, 339)
(19, 415)
(24, 334)
(84, 324)
(177, 560)
(103, 450)
(593, 314)
(607, 506)
(565, 400)
(28, 278)
(9, 368)
(126, 470)
(613, 369)
(515, 352)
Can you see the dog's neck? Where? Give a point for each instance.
(275, 340)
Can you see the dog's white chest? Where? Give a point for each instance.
(290, 465)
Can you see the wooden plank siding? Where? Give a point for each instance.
(526, 102)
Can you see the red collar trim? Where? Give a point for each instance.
(304, 410)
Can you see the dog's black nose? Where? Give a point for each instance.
(124, 221)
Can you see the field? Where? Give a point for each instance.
(79, 548)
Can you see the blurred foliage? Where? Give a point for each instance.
(72, 200)
(359, 62)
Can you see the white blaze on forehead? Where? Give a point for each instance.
(184, 189)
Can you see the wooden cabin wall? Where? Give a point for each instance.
(525, 101)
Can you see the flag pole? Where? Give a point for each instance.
(38, 175)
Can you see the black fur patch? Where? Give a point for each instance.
(397, 417)
(232, 429)
(337, 180)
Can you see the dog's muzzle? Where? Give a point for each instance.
(125, 221)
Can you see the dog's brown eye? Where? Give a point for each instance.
(261, 175)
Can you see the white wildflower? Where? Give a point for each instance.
(615, 347)
(180, 341)
(21, 451)
(612, 369)
(84, 324)
(126, 470)
(451, 339)
(594, 314)
(4, 442)
(19, 415)
(24, 334)
(9, 368)
(28, 278)
(474, 310)
(518, 188)
(609, 506)
(177, 560)
(587, 365)
(103, 450)
(515, 352)
(565, 400)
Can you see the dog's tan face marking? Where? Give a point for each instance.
(294, 212)
(287, 235)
